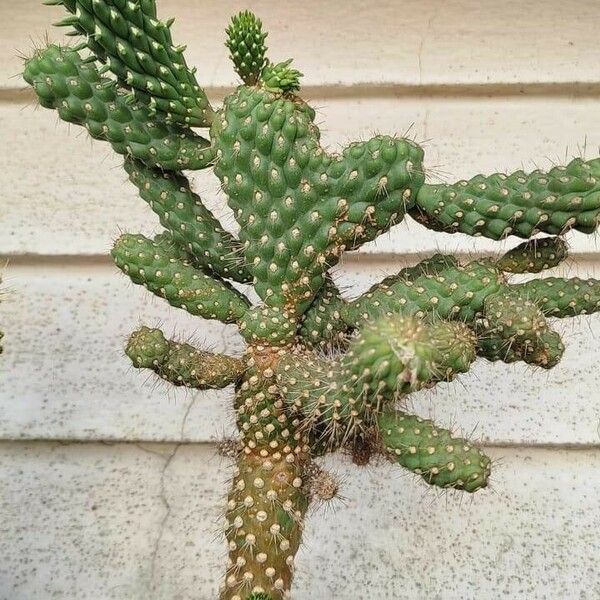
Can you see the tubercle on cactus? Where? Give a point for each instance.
(320, 372)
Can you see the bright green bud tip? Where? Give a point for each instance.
(281, 77)
(246, 42)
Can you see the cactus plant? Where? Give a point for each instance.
(320, 372)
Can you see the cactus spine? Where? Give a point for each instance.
(319, 372)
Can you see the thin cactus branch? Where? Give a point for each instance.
(182, 364)
(74, 86)
(521, 204)
(138, 49)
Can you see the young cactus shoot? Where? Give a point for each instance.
(320, 373)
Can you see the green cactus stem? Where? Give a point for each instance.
(320, 371)
(561, 297)
(457, 292)
(64, 81)
(297, 206)
(546, 352)
(516, 329)
(189, 222)
(268, 500)
(322, 326)
(432, 452)
(534, 256)
(160, 267)
(521, 204)
(182, 364)
(339, 398)
(139, 50)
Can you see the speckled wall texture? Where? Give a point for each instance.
(110, 484)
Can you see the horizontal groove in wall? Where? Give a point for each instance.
(367, 90)
(499, 445)
(349, 259)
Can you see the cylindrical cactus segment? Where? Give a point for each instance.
(163, 269)
(297, 206)
(456, 292)
(139, 50)
(534, 255)
(403, 354)
(64, 81)
(562, 297)
(191, 224)
(268, 497)
(339, 398)
(321, 326)
(181, 364)
(246, 42)
(517, 328)
(546, 352)
(375, 183)
(520, 204)
(514, 317)
(432, 452)
(264, 521)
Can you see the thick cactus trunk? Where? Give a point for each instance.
(269, 497)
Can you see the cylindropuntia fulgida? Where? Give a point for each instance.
(320, 372)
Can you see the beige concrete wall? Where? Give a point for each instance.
(110, 484)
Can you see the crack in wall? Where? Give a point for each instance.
(186, 415)
(167, 513)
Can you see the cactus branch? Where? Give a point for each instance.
(456, 292)
(139, 50)
(182, 364)
(190, 223)
(65, 81)
(521, 204)
(563, 297)
(162, 269)
(516, 329)
(534, 255)
(340, 398)
(432, 452)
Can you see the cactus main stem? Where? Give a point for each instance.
(269, 497)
